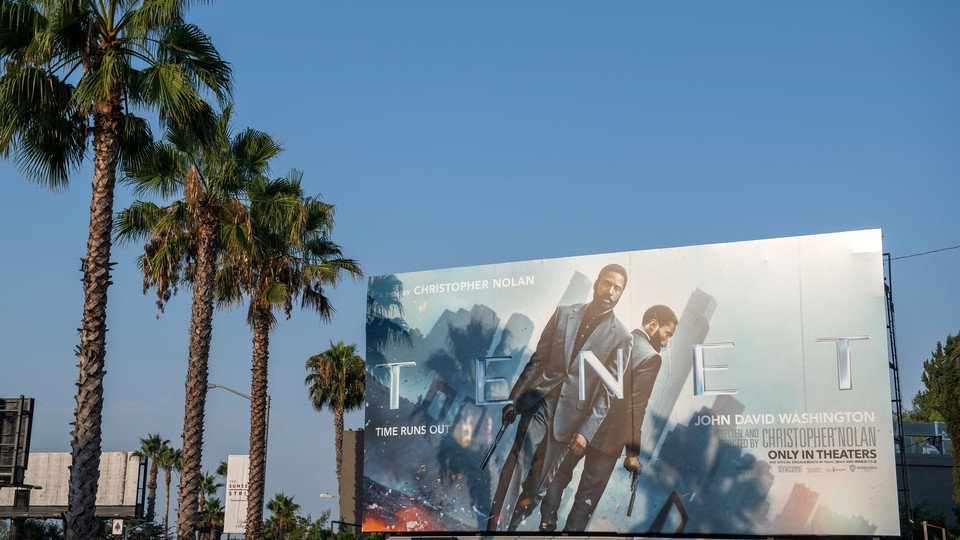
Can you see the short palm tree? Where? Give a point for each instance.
(169, 461)
(287, 255)
(183, 242)
(72, 71)
(284, 510)
(150, 449)
(211, 517)
(336, 379)
(222, 470)
(208, 486)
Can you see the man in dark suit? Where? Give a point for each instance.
(553, 420)
(619, 429)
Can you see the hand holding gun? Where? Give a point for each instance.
(509, 415)
(632, 464)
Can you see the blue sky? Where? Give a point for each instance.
(454, 134)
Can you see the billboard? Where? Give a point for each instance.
(122, 477)
(728, 389)
(235, 509)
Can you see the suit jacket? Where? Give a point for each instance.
(623, 422)
(555, 364)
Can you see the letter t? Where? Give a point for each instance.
(395, 381)
(844, 370)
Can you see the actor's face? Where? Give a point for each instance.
(661, 336)
(607, 290)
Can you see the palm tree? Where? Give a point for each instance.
(211, 517)
(71, 72)
(208, 486)
(150, 449)
(183, 241)
(288, 254)
(336, 379)
(283, 509)
(169, 459)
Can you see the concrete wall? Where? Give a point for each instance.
(931, 480)
(929, 467)
(351, 488)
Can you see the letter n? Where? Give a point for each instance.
(614, 385)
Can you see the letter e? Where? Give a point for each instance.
(700, 370)
(482, 380)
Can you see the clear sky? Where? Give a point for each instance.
(454, 134)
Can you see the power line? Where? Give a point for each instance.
(925, 253)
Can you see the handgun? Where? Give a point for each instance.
(486, 459)
(634, 477)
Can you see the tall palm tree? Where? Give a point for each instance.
(287, 255)
(283, 509)
(71, 72)
(150, 449)
(169, 459)
(336, 379)
(183, 240)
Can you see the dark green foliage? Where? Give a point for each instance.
(35, 529)
(922, 512)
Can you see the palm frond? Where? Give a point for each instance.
(137, 138)
(36, 117)
(158, 170)
(187, 46)
(99, 86)
(169, 89)
(136, 222)
(254, 150)
(151, 16)
(276, 293)
(19, 24)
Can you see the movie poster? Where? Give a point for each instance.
(726, 389)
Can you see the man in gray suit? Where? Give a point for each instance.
(553, 420)
(620, 428)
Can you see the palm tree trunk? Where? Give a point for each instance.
(201, 330)
(338, 439)
(258, 418)
(152, 490)
(166, 507)
(81, 520)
